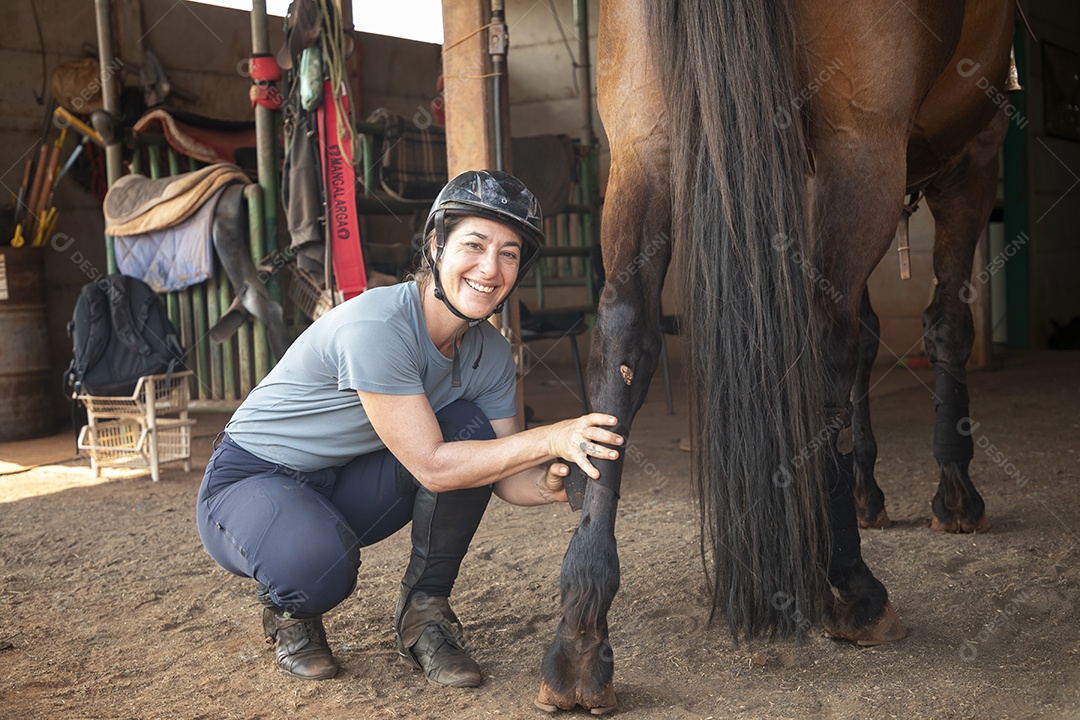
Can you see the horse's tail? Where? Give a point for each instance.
(741, 235)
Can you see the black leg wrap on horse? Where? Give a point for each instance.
(575, 488)
(845, 552)
(575, 483)
(952, 423)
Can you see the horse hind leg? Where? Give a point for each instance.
(960, 200)
(869, 499)
(858, 221)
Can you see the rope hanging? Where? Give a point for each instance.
(332, 42)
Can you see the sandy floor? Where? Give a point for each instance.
(111, 609)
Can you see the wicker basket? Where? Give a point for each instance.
(309, 295)
(143, 430)
(125, 443)
(168, 397)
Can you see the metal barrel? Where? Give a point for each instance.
(26, 380)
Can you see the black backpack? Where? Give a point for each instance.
(119, 332)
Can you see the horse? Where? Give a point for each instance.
(766, 149)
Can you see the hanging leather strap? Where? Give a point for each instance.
(903, 246)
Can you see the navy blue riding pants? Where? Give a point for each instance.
(300, 533)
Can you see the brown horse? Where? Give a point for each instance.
(717, 112)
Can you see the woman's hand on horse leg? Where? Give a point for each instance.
(583, 438)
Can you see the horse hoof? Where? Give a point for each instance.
(599, 704)
(886, 629)
(544, 706)
(548, 701)
(879, 522)
(959, 525)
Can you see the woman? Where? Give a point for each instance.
(397, 406)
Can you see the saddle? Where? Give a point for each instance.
(136, 204)
(163, 229)
(209, 140)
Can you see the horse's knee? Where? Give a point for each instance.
(628, 336)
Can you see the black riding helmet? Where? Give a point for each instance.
(494, 195)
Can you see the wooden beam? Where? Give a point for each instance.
(466, 87)
(470, 132)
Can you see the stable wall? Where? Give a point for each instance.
(203, 49)
(1052, 238)
(1053, 169)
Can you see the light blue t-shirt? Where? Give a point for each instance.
(306, 414)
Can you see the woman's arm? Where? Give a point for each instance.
(534, 486)
(407, 426)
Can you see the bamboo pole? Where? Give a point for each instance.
(256, 214)
(114, 158)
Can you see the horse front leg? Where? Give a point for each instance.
(961, 200)
(869, 499)
(579, 665)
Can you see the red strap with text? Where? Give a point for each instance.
(339, 179)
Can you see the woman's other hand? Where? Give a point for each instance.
(551, 487)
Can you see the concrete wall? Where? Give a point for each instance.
(203, 49)
(65, 27)
(543, 95)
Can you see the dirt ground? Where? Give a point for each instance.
(111, 609)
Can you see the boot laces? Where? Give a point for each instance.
(298, 634)
(443, 634)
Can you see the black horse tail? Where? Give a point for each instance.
(742, 243)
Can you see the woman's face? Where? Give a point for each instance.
(479, 265)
